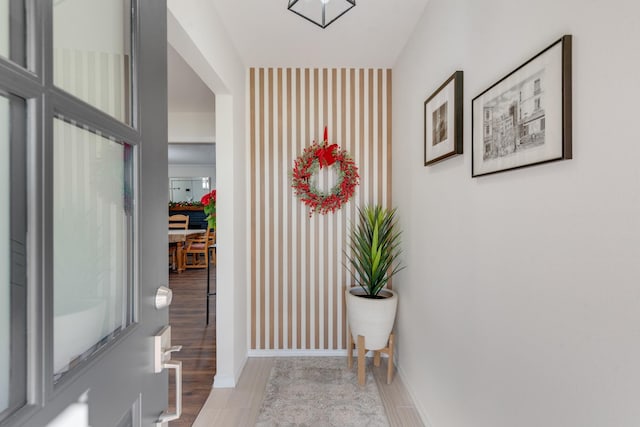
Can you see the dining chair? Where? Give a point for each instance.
(176, 222)
(196, 251)
(179, 222)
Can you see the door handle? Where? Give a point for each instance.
(162, 360)
(168, 416)
(167, 352)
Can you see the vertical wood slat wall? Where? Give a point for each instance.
(295, 266)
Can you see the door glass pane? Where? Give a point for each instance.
(13, 294)
(92, 53)
(12, 30)
(91, 242)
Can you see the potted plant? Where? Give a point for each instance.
(209, 203)
(372, 261)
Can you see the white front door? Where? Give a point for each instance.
(83, 211)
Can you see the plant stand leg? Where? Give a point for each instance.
(390, 359)
(376, 358)
(349, 349)
(361, 360)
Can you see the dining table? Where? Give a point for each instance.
(178, 237)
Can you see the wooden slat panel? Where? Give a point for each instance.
(279, 185)
(305, 284)
(289, 220)
(260, 285)
(252, 201)
(297, 279)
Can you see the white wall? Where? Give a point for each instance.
(182, 171)
(520, 305)
(196, 31)
(191, 127)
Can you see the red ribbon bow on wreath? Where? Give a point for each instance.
(326, 154)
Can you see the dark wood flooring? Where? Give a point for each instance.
(187, 316)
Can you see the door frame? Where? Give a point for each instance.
(196, 31)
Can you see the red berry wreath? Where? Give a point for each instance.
(314, 158)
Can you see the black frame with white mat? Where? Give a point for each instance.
(524, 119)
(443, 121)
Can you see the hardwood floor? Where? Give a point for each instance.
(397, 402)
(187, 316)
(239, 407)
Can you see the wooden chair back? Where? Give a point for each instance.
(179, 222)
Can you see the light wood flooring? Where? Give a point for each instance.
(239, 407)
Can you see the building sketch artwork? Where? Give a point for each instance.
(440, 124)
(514, 121)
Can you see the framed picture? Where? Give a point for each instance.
(525, 118)
(443, 121)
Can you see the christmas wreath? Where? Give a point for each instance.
(306, 167)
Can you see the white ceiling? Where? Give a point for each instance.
(187, 92)
(372, 34)
(265, 33)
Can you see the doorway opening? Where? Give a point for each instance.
(191, 175)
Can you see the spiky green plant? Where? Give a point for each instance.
(374, 246)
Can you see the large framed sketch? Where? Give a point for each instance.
(443, 121)
(525, 118)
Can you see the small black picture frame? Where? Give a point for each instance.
(443, 121)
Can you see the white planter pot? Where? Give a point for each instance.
(373, 318)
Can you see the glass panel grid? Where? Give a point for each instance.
(92, 53)
(13, 35)
(13, 291)
(92, 243)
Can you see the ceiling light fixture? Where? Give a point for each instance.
(321, 12)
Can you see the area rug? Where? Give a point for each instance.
(320, 391)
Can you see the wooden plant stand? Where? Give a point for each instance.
(388, 350)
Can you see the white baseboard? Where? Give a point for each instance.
(223, 381)
(421, 411)
(240, 368)
(228, 381)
